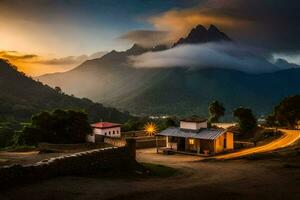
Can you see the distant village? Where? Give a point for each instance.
(192, 137)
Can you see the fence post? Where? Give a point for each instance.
(131, 147)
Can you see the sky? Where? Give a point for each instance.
(45, 36)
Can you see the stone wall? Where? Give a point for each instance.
(139, 133)
(49, 147)
(111, 158)
(143, 144)
(117, 142)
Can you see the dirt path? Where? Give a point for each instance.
(288, 138)
(239, 179)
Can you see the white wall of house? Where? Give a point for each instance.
(111, 132)
(193, 125)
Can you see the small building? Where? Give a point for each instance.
(102, 129)
(194, 137)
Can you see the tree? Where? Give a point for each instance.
(57, 127)
(58, 89)
(8, 131)
(287, 112)
(170, 122)
(216, 110)
(247, 121)
(271, 121)
(134, 124)
(166, 123)
(6, 134)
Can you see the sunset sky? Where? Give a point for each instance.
(43, 36)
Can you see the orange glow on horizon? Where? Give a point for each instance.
(32, 65)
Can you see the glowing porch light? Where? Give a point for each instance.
(150, 128)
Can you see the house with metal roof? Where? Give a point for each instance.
(194, 137)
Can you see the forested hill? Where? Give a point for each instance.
(21, 97)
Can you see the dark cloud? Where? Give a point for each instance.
(147, 37)
(270, 24)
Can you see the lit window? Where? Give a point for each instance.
(191, 141)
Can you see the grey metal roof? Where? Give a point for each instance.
(205, 133)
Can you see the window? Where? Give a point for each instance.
(105, 133)
(113, 132)
(191, 141)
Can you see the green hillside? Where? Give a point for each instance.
(21, 96)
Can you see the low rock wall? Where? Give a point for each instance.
(75, 164)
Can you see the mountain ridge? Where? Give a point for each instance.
(21, 97)
(113, 81)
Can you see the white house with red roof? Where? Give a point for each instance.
(107, 129)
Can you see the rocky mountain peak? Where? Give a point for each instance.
(200, 34)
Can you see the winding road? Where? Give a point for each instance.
(235, 179)
(288, 138)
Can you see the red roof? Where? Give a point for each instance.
(102, 125)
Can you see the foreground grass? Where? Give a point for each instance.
(159, 170)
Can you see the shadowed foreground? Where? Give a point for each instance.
(239, 179)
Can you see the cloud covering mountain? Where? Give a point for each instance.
(209, 55)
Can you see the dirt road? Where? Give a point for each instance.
(288, 138)
(238, 179)
(232, 179)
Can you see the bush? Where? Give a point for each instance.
(57, 127)
(7, 133)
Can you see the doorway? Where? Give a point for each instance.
(181, 144)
